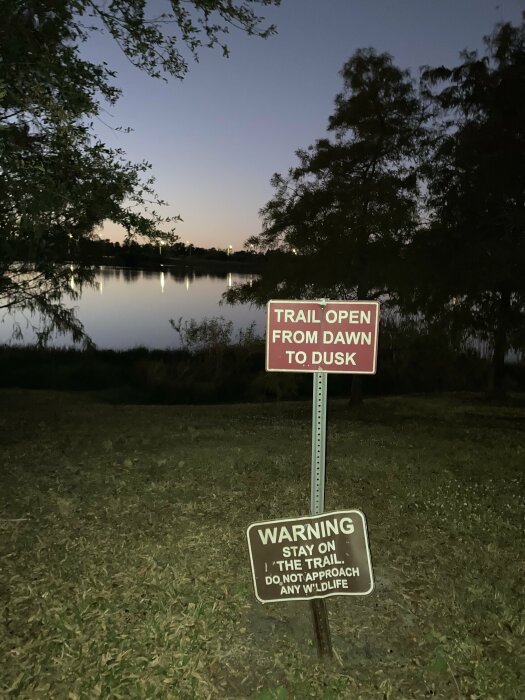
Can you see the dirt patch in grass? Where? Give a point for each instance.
(124, 569)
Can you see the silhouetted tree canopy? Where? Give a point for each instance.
(338, 222)
(339, 219)
(470, 262)
(58, 181)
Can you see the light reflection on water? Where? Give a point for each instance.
(131, 307)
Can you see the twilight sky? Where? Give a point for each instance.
(215, 139)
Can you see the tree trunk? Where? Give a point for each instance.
(356, 390)
(496, 384)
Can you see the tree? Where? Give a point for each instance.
(471, 259)
(339, 220)
(58, 181)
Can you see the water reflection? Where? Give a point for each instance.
(176, 273)
(127, 307)
(131, 274)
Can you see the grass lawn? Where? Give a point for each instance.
(124, 568)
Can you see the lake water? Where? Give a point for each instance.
(132, 307)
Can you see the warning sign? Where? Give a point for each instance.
(317, 336)
(311, 557)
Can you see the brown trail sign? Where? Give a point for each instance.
(334, 336)
(310, 557)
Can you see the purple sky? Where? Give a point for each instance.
(215, 139)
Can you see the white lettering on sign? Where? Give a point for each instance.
(333, 358)
(290, 565)
(299, 316)
(298, 551)
(314, 316)
(346, 316)
(311, 557)
(307, 531)
(322, 336)
(285, 578)
(352, 338)
(286, 336)
(330, 573)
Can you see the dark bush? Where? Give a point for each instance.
(409, 361)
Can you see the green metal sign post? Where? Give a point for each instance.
(318, 605)
(318, 443)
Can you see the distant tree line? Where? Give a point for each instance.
(130, 252)
(416, 197)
